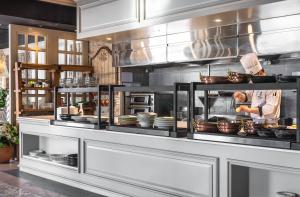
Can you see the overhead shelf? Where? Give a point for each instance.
(246, 86)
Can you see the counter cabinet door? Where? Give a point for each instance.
(98, 17)
(154, 172)
(249, 179)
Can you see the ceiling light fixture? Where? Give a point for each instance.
(218, 20)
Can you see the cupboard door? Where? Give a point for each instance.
(175, 9)
(151, 170)
(103, 16)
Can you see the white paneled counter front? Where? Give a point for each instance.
(123, 164)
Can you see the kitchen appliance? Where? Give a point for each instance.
(160, 103)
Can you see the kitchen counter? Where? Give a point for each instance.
(125, 164)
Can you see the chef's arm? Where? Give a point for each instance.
(273, 100)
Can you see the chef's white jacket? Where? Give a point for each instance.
(268, 102)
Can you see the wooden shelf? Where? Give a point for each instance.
(36, 66)
(78, 68)
(34, 88)
(37, 110)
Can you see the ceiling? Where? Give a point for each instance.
(62, 2)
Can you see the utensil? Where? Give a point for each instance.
(285, 133)
(66, 117)
(35, 153)
(213, 79)
(286, 79)
(265, 133)
(235, 77)
(263, 79)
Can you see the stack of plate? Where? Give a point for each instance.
(146, 119)
(164, 122)
(127, 120)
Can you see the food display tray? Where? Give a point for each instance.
(85, 125)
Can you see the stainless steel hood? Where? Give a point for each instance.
(266, 29)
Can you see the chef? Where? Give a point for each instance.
(265, 104)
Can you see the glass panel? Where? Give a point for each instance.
(61, 58)
(41, 42)
(41, 57)
(41, 74)
(79, 59)
(31, 74)
(70, 59)
(21, 40)
(31, 91)
(61, 44)
(21, 56)
(23, 74)
(79, 46)
(31, 57)
(70, 45)
(31, 41)
(41, 92)
(41, 101)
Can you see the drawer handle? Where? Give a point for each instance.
(287, 194)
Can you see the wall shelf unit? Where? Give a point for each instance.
(24, 90)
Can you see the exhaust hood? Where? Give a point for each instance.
(269, 29)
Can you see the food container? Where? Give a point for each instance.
(263, 79)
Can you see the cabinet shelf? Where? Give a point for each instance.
(253, 86)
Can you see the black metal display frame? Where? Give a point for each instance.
(175, 132)
(98, 89)
(247, 140)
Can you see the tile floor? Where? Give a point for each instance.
(18, 184)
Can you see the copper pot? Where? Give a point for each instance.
(251, 127)
(228, 127)
(201, 126)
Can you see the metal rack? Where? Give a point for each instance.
(98, 90)
(248, 140)
(175, 132)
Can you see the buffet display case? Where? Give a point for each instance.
(262, 137)
(98, 121)
(155, 123)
